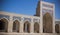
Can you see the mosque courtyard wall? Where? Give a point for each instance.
(21, 19)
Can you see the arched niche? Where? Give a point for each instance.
(16, 25)
(57, 28)
(3, 25)
(36, 27)
(26, 27)
(47, 23)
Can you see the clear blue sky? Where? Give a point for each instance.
(27, 7)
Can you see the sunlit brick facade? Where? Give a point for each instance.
(18, 24)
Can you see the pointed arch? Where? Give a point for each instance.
(36, 27)
(57, 28)
(16, 26)
(47, 23)
(27, 27)
(3, 25)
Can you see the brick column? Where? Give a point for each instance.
(41, 18)
(53, 26)
(32, 26)
(21, 25)
(54, 19)
(10, 24)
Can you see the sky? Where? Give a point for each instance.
(26, 7)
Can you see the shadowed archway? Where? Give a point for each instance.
(16, 26)
(47, 23)
(36, 27)
(57, 28)
(27, 27)
(3, 25)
